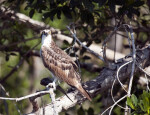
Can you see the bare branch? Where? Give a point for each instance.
(133, 66)
(24, 97)
(88, 49)
(116, 103)
(8, 13)
(96, 86)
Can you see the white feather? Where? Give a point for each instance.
(46, 40)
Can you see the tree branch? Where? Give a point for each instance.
(98, 85)
(38, 26)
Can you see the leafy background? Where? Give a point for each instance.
(93, 22)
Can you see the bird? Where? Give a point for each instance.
(61, 65)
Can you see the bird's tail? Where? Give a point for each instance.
(83, 92)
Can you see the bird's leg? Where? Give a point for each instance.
(58, 82)
(54, 83)
(52, 87)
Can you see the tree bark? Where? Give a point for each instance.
(99, 85)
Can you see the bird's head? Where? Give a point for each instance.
(46, 36)
(46, 33)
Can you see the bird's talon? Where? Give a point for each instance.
(51, 85)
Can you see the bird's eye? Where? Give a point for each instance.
(49, 32)
(43, 33)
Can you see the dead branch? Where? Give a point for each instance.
(7, 13)
(98, 85)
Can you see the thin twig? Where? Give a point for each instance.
(105, 110)
(133, 65)
(4, 93)
(88, 49)
(143, 69)
(18, 109)
(115, 44)
(74, 32)
(104, 45)
(24, 97)
(113, 96)
(119, 71)
(116, 103)
(127, 36)
(110, 35)
(146, 74)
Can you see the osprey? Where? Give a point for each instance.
(61, 65)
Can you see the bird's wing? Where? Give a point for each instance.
(60, 64)
(63, 54)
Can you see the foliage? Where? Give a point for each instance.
(87, 10)
(140, 105)
(93, 22)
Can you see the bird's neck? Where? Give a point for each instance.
(46, 40)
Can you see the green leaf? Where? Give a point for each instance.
(50, 14)
(67, 12)
(88, 5)
(111, 5)
(141, 105)
(31, 13)
(138, 3)
(129, 102)
(87, 17)
(146, 104)
(90, 111)
(102, 2)
(145, 97)
(81, 111)
(134, 99)
(59, 14)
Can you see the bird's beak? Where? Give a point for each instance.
(49, 32)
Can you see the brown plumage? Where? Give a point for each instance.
(62, 66)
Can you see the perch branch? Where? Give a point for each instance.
(96, 86)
